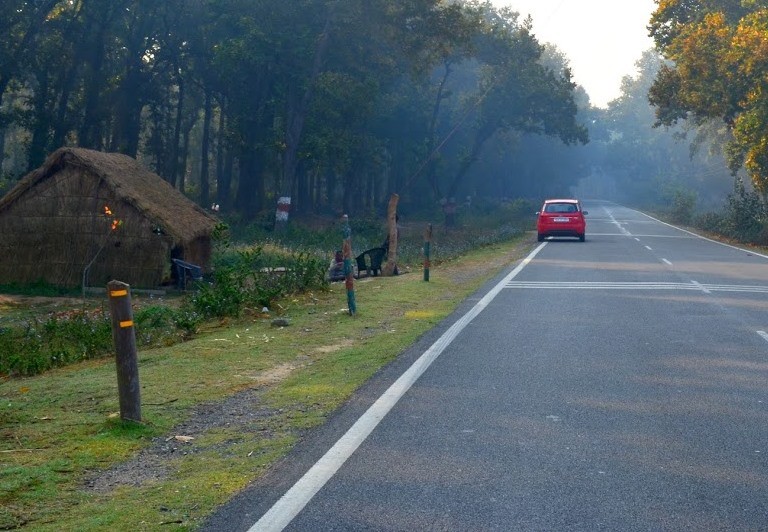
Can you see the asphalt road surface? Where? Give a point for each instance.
(616, 384)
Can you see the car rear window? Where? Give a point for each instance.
(560, 207)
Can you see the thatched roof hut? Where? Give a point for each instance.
(90, 217)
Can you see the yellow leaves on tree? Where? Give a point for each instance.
(719, 51)
(698, 54)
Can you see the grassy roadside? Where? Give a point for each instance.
(68, 462)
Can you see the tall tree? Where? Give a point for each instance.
(516, 92)
(719, 55)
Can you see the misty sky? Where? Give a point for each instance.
(602, 38)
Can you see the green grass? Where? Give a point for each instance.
(59, 428)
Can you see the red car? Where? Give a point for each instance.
(561, 217)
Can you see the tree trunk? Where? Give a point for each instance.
(184, 157)
(62, 124)
(3, 131)
(432, 161)
(40, 128)
(223, 179)
(90, 134)
(297, 111)
(127, 116)
(480, 138)
(205, 185)
(225, 183)
(390, 268)
(250, 184)
(173, 163)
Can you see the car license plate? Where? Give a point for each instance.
(562, 219)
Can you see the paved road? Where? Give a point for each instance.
(616, 384)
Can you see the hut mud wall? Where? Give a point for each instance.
(60, 225)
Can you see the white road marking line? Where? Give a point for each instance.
(693, 286)
(678, 237)
(668, 237)
(617, 224)
(649, 248)
(703, 237)
(665, 261)
(763, 334)
(737, 288)
(297, 497)
(603, 286)
(701, 287)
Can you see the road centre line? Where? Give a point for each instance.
(701, 287)
(617, 224)
(676, 237)
(649, 248)
(665, 261)
(693, 286)
(763, 334)
(297, 497)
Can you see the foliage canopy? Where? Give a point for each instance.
(336, 104)
(719, 55)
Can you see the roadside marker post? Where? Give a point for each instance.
(126, 357)
(427, 246)
(349, 277)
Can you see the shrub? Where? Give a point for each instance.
(711, 222)
(60, 339)
(160, 325)
(38, 345)
(683, 204)
(744, 214)
(246, 280)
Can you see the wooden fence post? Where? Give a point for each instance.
(126, 358)
(427, 245)
(349, 277)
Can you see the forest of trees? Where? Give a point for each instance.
(339, 104)
(237, 102)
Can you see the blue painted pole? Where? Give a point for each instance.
(349, 278)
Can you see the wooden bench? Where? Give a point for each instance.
(369, 261)
(186, 270)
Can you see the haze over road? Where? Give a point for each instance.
(616, 384)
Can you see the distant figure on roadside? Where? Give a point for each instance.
(336, 268)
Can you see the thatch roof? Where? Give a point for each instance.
(152, 196)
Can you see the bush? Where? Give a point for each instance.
(38, 345)
(60, 339)
(711, 222)
(160, 325)
(744, 215)
(683, 205)
(246, 280)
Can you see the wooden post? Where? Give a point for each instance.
(427, 245)
(349, 277)
(391, 266)
(124, 338)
